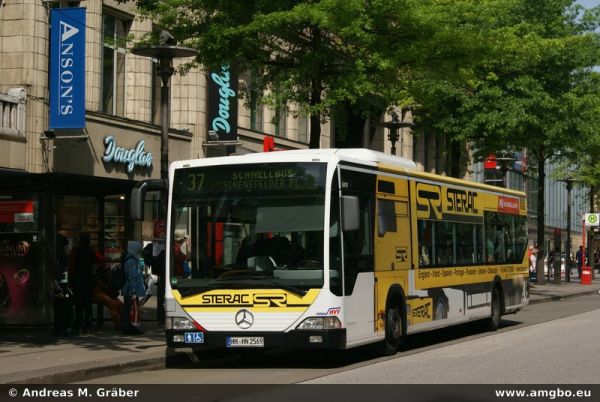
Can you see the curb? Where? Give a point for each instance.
(85, 371)
(96, 372)
(552, 298)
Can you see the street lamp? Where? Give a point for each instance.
(569, 182)
(165, 52)
(393, 126)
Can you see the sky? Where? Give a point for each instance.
(589, 3)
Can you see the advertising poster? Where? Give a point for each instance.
(20, 278)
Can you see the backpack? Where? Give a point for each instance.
(117, 276)
(147, 254)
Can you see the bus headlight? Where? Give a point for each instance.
(315, 323)
(179, 323)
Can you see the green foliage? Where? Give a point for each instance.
(319, 54)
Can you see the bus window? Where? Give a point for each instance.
(445, 241)
(425, 230)
(386, 217)
(335, 247)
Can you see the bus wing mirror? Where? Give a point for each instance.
(138, 196)
(350, 212)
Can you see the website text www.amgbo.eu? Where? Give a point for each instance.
(557, 393)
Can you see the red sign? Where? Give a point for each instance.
(508, 204)
(490, 162)
(268, 144)
(16, 211)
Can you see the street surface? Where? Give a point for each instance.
(555, 342)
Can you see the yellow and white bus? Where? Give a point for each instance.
(335, 248)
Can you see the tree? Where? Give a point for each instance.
(319, 54)
(538, 90)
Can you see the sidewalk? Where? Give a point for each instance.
(28, 356)
(551, 291)
(37, 355)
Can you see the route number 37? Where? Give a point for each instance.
(195, 181)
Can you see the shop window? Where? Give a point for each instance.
(76, 215)
(114, 229)
(114, 37)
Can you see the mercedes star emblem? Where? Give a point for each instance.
(244, 319)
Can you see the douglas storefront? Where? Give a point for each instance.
(87, 191)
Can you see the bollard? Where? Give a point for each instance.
(586, 275)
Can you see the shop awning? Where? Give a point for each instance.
(63, 183)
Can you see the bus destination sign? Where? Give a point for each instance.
(249, 178)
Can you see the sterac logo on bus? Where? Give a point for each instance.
(245, 299)
(435, 202)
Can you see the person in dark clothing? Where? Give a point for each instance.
(63, 304)
(83, 281)
(579, 260)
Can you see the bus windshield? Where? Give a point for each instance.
(248, 226)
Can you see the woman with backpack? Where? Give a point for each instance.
(133, 285)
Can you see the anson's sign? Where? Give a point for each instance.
(222, 103)
(131, 157)
(67, 68)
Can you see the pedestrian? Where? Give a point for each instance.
(84, 259)
(532, 264)
(550, 264)
(579, 260)
(63, 295)
(104, 294)
(133, 286)
(180, 250)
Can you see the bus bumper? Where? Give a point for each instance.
(323, 339)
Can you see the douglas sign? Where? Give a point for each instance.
(222, 103)
(67, 68)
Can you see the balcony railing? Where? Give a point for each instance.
(12, 112)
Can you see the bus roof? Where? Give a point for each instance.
(356, 155)
(384, 162)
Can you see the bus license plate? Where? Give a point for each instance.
(245, 342)
(193, 337)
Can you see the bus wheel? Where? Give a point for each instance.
(494, 320)
(393, 331)
(441, 311)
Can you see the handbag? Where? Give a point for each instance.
(134, 312)
(187, 270)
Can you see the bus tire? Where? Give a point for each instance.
(494, 321)
(440, 311)
(393, 330)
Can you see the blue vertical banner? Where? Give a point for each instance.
(67, 68)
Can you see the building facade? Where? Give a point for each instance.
(72, 180)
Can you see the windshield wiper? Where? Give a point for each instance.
(261, 278)
(195, 290)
